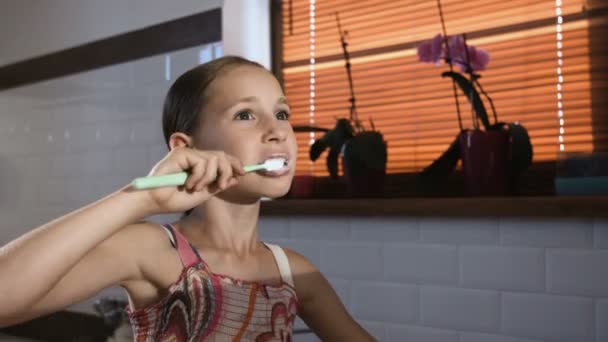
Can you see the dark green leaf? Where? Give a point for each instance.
(472, 95)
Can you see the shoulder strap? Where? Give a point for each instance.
(187, 253)
(282, 262)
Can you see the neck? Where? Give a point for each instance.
(223, 225)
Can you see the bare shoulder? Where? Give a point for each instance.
(139, 236)
(307, 279)
(140, 242)
(299, 263)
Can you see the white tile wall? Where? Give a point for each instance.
(402, 263)
(548, 317)
(501, 268)
(459, 231)
(575, 271)
(395, 332)
(448, 281)
(600, 233)
(601, 319)
(386, 302)
(454, 308)
(67, 142)
(576, 233)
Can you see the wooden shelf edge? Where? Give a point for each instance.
(549, 206)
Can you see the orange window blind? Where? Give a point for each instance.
(539, 73)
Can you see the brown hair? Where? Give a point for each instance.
(185, 99)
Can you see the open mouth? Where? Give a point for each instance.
(281, 166)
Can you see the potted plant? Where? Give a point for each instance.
(493, 153)
(363, 152)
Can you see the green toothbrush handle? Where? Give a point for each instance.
(151, 182)
(175, 179)
(251, 168)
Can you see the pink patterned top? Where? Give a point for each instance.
(205, 306)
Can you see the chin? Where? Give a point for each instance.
(255, 189)
(272, 190)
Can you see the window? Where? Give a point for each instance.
(539, 74)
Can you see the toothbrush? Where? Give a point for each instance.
(179, 178)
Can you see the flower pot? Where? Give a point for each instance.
(364, 165)
(364, 183)
(302, 187)
(485, 162)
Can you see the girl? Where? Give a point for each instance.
(206, 276)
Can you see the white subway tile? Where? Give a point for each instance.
(460, 309)
(376, 329)
(86, 137)
(29, 192)
(600, 233)
(150, 71)
(80, 191)
(273, 227)
(343, 290)
(547, 317)
(577, 272)
(98, 162)
(132, 161)
(459, 231)
(146, 132)
(320, 228)
(67, 165)
(502, 268)
(404, 333)
(427, 264)
(546, 232)
(309, 248)
(183, 60)
(601, 320)
(385, 302)
(53, 191)
(114, 76)
(113, 133)
(352, 260)
(157, 152)
(477, 337)
(385, 229)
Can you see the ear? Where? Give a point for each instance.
(179, 139)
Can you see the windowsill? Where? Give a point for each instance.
(541, 206)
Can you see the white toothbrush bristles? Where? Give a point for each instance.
(275, 164)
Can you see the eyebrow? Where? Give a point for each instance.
(281, 99)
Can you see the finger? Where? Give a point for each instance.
(225, 170)
(236, 164)
(210, 176)
(232, 182)
(197, 171)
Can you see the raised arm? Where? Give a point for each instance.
(75, 256)
(321, 307)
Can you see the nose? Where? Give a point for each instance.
(275, 131)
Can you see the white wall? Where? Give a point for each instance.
(29, 28)
(67, 142)
(461, 280)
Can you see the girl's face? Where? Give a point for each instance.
(247, 115)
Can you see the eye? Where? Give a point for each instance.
(283, 115)
(244, 115)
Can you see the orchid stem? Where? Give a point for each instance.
(449, 60)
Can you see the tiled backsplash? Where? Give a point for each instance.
(461, 280)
